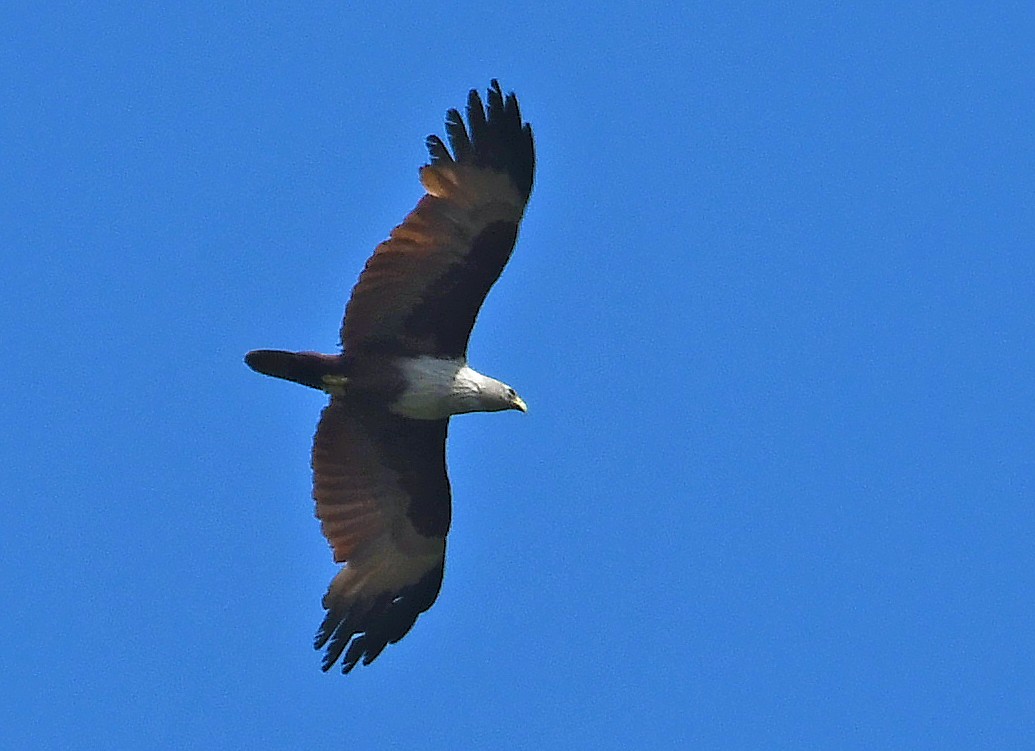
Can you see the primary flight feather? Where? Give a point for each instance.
(379, 466)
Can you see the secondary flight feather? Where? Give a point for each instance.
(379, 467)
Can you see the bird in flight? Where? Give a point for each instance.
(379, 465)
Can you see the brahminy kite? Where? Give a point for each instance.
(379, 464)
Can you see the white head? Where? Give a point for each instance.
(474, 392)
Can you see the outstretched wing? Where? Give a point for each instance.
(382, 497)
(421, 290)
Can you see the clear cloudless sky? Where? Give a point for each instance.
(772, 308)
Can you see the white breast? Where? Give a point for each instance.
(437, 388)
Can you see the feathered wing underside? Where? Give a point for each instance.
(383, 500)
(421, 290)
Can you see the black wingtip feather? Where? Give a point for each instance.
(458, 137)
(496, 138)
(475, 113)
(362, 630)
(437, 150)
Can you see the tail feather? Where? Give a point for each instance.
(306, 368)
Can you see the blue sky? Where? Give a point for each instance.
(771, 308)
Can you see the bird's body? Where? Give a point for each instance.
(379, 474)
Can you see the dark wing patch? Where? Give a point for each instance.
(454, 244)
(383, 500)
(448, 310)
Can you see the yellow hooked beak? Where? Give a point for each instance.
(519, 403)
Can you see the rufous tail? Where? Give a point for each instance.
(307, 368)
